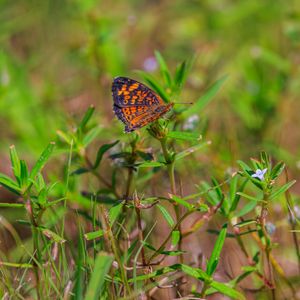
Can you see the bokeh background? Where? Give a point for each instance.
(58, 57)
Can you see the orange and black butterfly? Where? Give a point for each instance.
(135, 104)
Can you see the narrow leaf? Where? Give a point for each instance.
(15, 162)
(215, 256)
(182, 202)
(52, 235)
(151, 164)
(42, 160)
(96, 284)
(9, 184)
(101, 152)
(166, 215)
(277, 192)
(186, 136)
(191, 150)
(91, 135)
(246, 208)
(93, 235)
(86, 118)
(206, 98)
(226, 290)
(164, 68)
(12, 205)
(175, 237)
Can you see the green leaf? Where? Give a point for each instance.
(215, 256)
(246, 208)
(277, 170)
(226, 290)
(186, 136)
(182, 202)
(206, 98)
(245, 223)
(195, 272)
(104, 148)
(15, 265)
(191, 150)
(166, 215)
(156, 273)
(24, 173)
(114, 212)
(80, 272)
(211, 194)
(64, 136)
(175, 237)
(163, 252)
(277, 192)
(15, 162)
(164, 69)
(236, 198)
(9, 184)
(93, 235)
(102, 266)
(265, 159)
(180, 74)
(86, 118)
(91, 135)
(251, 198)
(42, 196)
(42, 160)
(151, 164)
(12, 205)
(244, 166)
(52, 235)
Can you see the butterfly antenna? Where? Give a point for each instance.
(187, 103)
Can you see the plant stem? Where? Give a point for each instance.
(108, 231)
(35, 237)
(141, 235)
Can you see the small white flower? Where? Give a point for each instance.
(260, 174)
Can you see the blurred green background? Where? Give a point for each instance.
(58, 57)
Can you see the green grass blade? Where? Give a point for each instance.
(93, 235)
(164, 69)
(15, 162)
(226, 290)
(215, 256)
(91, 135)
(166, 215)
(277, 192)
(42, 160)
(191, 150)
(86, 118)
(9, 184)
(186, 136)
(101, 152)
(102, 265)
(206, 98)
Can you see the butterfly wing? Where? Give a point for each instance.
(129, 92)
(135, 104)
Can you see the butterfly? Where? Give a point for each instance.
(135, 104)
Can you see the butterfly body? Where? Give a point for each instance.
(135, 104)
